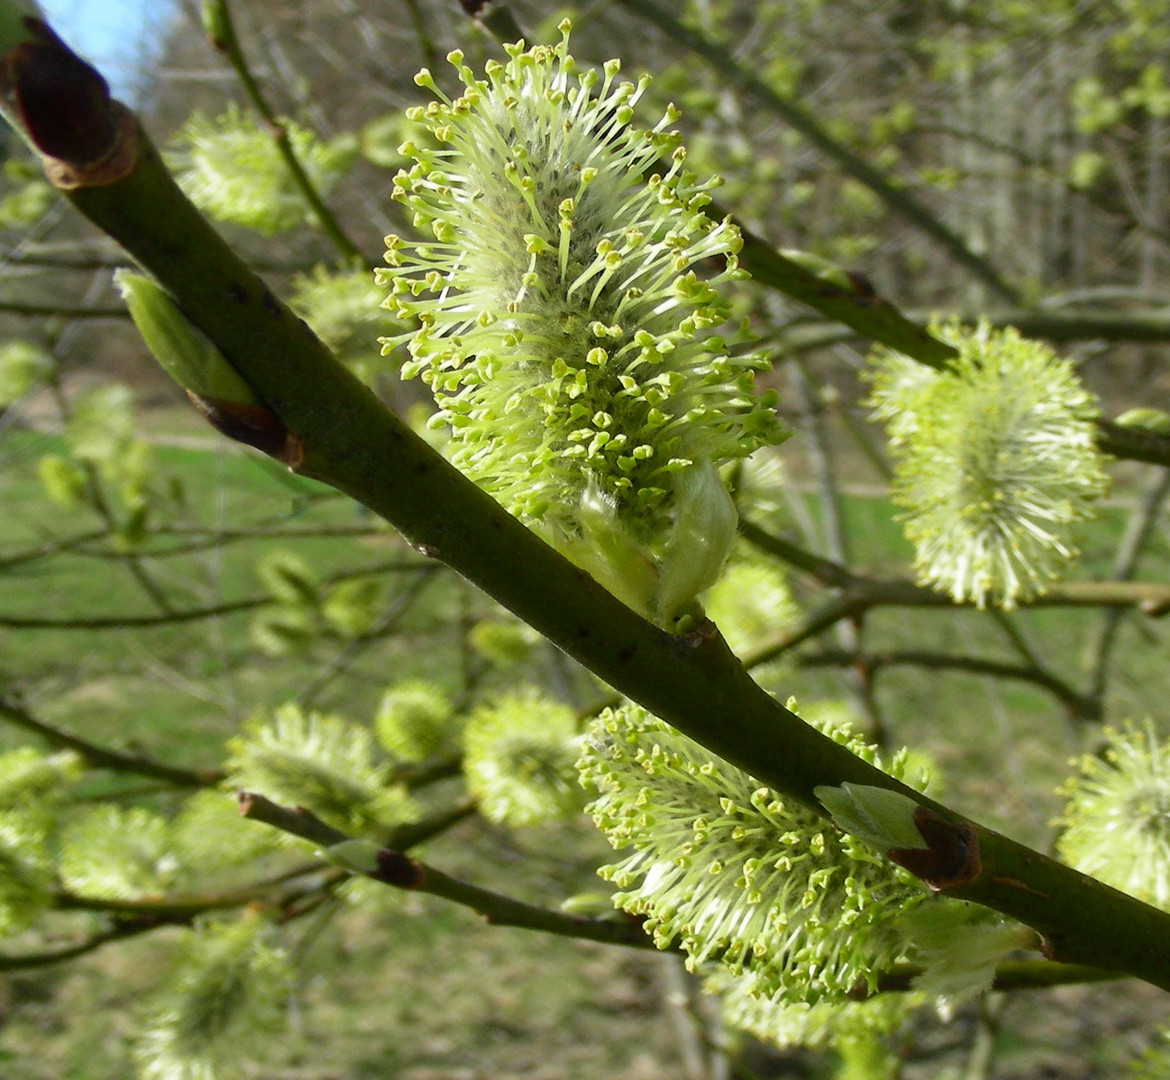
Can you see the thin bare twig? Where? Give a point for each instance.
(849, 630)
(100, 757)
(1138, 531)
(228, 44)
(57, 311)
(401, 871)
(382, 627)
(1079, 705)
(124, 928)
(230, 607)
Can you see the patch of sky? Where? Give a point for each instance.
(121, 38)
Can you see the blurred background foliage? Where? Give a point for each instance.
(169, 598)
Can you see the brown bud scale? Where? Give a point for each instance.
(253, 425)
(951, 856)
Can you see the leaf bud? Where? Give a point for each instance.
(183, 350)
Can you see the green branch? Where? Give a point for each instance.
(848, 300)
(323, 422)
(214, 539)
(72, 256)
(142, 915)
(117, 622)
(1083, 324)
(827, 572)
(1009, 975)
(1152, 598)
(392, 867)
(277, 889)
(404, 837)
(1134, 444)
(50, 548)
(812, 625)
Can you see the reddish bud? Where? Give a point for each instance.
(253, 425)
(63, 102)
(398, 870)
(951, 855)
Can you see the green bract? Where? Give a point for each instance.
(731, 871)
(881, 818)
(995, 460)
(183, 350)
(959, 946)
(563, 326)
